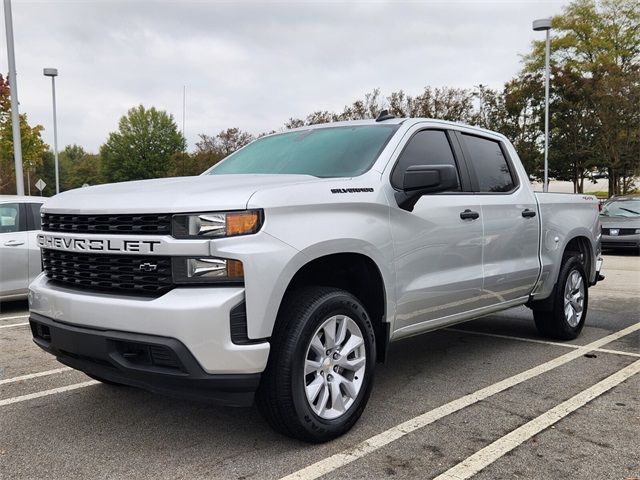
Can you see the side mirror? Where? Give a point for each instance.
(422, 179)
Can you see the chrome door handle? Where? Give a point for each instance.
(13, 243)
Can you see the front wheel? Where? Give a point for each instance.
(565, 320)
(320, 370)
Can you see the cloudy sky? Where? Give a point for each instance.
(252, 64)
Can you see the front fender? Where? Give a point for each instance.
(266, 303)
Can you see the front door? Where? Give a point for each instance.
(438, 245)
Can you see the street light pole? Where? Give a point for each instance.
(539, 25)
(13, 84)
(53, 73)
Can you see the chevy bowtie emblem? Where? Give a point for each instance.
(148, 267)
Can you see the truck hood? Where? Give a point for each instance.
(170, 195)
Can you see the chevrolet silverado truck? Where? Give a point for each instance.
(282, 274)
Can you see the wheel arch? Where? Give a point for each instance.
(356, 273)
(580, 246)
(577, 245)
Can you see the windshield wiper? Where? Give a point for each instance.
(629, 210)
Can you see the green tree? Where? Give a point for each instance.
(68, 159)
(46, 172)
(597, 46)
(33, 147)
(209, 151)
(232, 139)
(142, 147)
(574, 123)
(189, 164)
(78, 168)
(517, 112)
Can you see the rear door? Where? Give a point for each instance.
(438, 254)
(14, 250)
(509, 213)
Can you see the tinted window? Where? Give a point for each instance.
(428, 147)
(321, 152)
(490, 164)
(9, 218)
(33, 212)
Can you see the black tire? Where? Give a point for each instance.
(281, 397)
(549, 315)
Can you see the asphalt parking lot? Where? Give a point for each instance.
(488, 399)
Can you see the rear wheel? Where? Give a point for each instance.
(564, 317)
(320, 369)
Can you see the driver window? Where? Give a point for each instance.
(427, 147)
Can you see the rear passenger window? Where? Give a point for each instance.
(490, 164)
(10, 218)
(427, 147)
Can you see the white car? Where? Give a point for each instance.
(19, 251)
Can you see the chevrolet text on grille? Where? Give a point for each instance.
(96, 244)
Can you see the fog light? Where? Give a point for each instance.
(207, 270)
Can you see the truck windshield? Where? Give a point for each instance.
(321, 152)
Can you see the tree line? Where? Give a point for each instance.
(594, 108)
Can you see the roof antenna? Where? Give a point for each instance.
(384, 115)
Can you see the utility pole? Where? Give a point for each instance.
(544, 24)
(13, 87)
(53, 73)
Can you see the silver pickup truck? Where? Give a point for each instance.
(281, 274)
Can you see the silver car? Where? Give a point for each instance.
(283, 273)
(620, 220)
(19, 251)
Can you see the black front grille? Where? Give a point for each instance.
(110, 273)
(142, 224)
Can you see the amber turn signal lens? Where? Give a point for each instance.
(243, 223)
(234, 269)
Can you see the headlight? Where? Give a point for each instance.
(216, 224)
(207, 270)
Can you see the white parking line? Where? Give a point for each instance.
(378, 441)
(617, 352)
(53, 391)
(14, 325)
(14, 317)
(34, 375)
(489, 454)
(544, 342)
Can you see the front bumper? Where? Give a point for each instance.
(158, 364)
(197, 317)
(621, 241)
